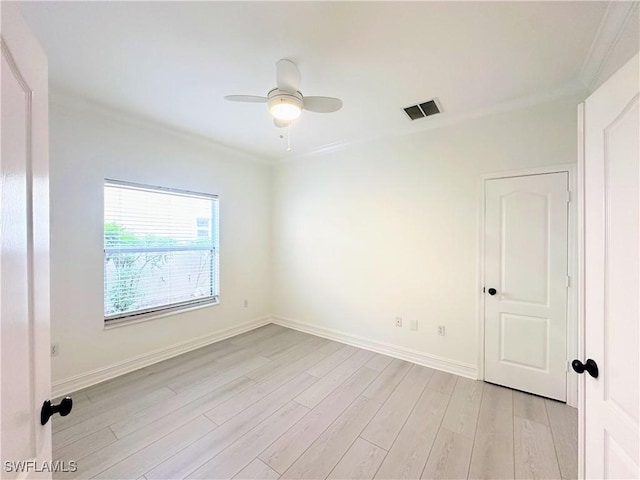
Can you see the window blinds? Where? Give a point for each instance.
(160, 249)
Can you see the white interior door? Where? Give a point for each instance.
(526, 222)
(612, 265)
(24, 252)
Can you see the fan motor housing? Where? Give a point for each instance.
(277, 96)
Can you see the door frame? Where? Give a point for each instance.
(580, 300)
(573, 289)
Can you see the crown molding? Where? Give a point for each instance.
(615, 18)
(70, 102)
(73, 103)
(573, 88)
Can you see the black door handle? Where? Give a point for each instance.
(63, 408)
(492, 291)
(590, 366)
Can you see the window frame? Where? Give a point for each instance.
(176, 307)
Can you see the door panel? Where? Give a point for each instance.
(24, 251)
(621, 262)
(526, 220)
(612, 275)
(617, 463)
(524, 263)
(17, 400)
(524, 340)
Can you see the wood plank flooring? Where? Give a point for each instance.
(276, 403)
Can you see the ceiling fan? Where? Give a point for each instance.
(286, 102)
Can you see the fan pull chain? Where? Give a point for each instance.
(289, 137)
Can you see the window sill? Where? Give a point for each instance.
(145, 317)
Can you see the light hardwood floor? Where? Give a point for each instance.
(277, 403)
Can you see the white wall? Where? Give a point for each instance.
(390, 228)
(346, 241)
(88, 145)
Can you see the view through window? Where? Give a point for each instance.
(160, 249)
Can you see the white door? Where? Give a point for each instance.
(24, 252)
(525, 244)
(612, 241)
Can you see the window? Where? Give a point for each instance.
(160, 249)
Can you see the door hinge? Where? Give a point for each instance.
(568, 197)
(568, 281)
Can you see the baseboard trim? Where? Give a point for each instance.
(83, 380)
(425, 359)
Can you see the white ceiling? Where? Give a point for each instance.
(174, 61)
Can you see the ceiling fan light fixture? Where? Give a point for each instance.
(285, 106)
(285, 102)
(285, 111)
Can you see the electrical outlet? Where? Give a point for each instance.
(414, 324)
(55, 349)
(398, 321)
(246, 304)
(441, 330)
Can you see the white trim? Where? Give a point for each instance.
(155, 315)
(83, 380)
(565, 167)
(413, 356)
(480, 281)
(71, 103)
(580, 292)
(613, 22)
(573, 289)
(572, 88)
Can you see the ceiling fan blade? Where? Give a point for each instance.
(246, 98)
(280, 123)
(322, 104)
(287, 76)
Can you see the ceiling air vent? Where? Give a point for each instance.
(422, 110)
